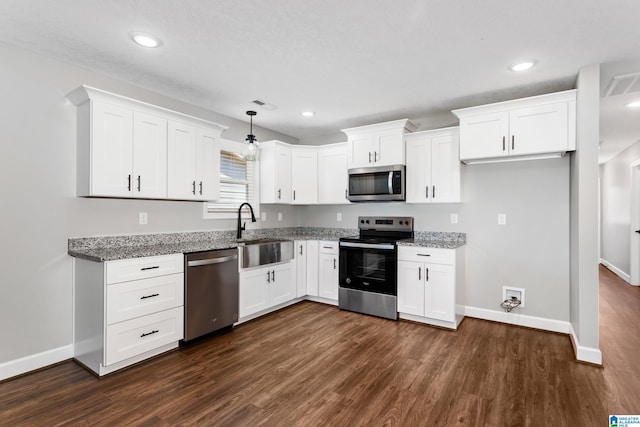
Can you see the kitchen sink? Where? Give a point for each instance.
(257, 252)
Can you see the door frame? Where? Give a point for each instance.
(634, 252)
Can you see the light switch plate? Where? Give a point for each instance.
(339, 216)
(263, 216)
(502, 219)
(279, 216)
(454, 218)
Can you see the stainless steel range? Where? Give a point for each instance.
(368, 266)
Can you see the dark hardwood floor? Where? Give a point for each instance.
(314, 365)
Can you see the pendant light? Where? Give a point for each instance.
(252, 143)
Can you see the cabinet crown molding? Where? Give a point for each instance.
(567, 95)
(85, 93)
(405, 124)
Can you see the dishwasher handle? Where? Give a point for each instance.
(209, 261)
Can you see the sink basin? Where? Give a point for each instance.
(257, 252)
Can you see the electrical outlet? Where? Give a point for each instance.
(143, 218)
(454, 218)
(263, 216)
(502, 219)
(509, 291)
(279, 216)
(339, 216)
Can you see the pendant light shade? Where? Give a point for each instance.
(251, 152)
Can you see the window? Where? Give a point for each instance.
(238, 182)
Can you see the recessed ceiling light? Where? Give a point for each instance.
(522, 66)
(308, 113)
(634, 104)
(145, 39)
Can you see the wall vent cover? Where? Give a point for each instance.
(264, 104)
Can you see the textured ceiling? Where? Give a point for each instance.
(353, 62)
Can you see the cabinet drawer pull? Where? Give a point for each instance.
(375, 156)
(424, 254)
(146, 334)
(268, 277)
(193, 187)
(433, 192)
(129, 183)
(300, 249)
(346, 195)
(513, 142)
(273, 276)
(503, 146)
(427, 191)
(294, 194)
(149, 296)
(139, 180)
(334, 263)
(426, 274)
(327, 247)
(150, 268)
(279, 193)
(201, 188)
(369, 156)
(419, 273)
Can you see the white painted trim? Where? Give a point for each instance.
(35, 361)
(621, 274)
(518, 319)
(634, 224)
(584, 354)
(321, 300)
(427, 321)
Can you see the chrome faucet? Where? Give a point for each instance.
(240, 225)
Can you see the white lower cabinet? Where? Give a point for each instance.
(300, 253)
(126, 311)
(328, 270)
(430, 285)
(312, 268)
(266, 287)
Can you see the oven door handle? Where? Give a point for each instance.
(390, 182)
(387, 246)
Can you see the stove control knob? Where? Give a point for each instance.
(362, 221)
(348, 280)
(367, 221)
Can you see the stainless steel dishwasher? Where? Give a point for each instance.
(210, 292)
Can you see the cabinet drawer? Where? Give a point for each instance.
(133, 337)
(143, 268)
(128, 300)
(428, 255)
(328, 247)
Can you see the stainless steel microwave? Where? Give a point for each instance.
(377, 184)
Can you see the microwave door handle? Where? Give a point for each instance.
(390, 182)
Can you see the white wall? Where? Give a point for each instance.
(39, 208)
(584, 218)
(531, 251)
(615, 184)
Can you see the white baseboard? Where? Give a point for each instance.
(35, 361)
(514, 318)
(584, 354)
(621, 274)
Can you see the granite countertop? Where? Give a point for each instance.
(114, 248)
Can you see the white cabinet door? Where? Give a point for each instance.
(207, 165)
(283, 174)
(312, 267)
(445, 168)
(300, 248)
(389, 148)
(332, 174)
(254, 292)
(111, 150)
(360, 150)
(484, 136)
(411, 288)
(304, 174)
(149, 155)
(439, 301)
(418, 178)
(282, 287)
(328, 276)
(275, 172)
(182, 158)
(539, 129)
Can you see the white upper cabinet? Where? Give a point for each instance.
(332, 174)
(127, 148)
(529, 128)
(433, 166)
(275, 172)
(304, 173)
(193, 162)
(381, 144)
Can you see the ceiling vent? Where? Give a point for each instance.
(624, 84)
(264, 104)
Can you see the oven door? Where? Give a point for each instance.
(368, 267)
